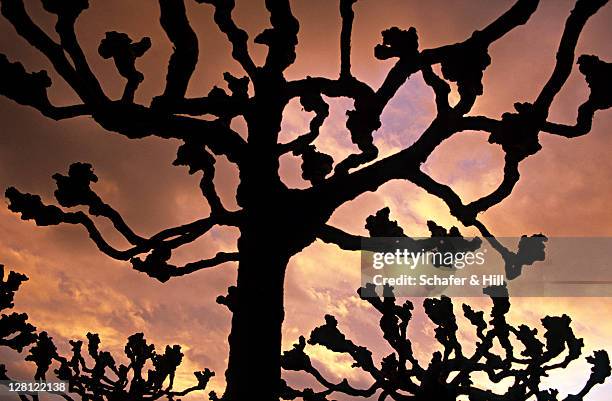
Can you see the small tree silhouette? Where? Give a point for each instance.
(448, 375)
(296, 217)
(100, 378)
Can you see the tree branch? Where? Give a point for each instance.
(347, 14)
(282, 38)
(237, 37)
(510, 179)
(74, 190)
(183, 61)
(175, 271)
(321, 109)
(344, 240)
(440, 87)
(67, 14)
(136, 121)
(583, 10)
(124, 52)
(14, 11)
(197, 158)
(30, 89)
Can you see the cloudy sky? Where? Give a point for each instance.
(564, 189)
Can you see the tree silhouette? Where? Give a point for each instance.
(99, 377)
(445, 378)
(295, 217)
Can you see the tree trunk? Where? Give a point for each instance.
(254, 370)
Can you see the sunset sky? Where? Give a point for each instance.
(564, 189)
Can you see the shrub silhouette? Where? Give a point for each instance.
(99, 377)
(401, 376)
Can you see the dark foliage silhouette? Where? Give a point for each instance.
(15, 332)
(447, 376)
(297, 217)
(94, 376)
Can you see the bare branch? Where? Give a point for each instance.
(66, 112)
(67, 14)
(219, 258)
(310, 102)
(32, 208)
(583, 10)
(440, 87)
(462, 62)
(237, 37)
(74, 190)
(380, 225)
(216, 104)
(342, 239)
(282, 38)
(397, 43)
(516, 133)
(599, 373)
(183, 61)
(297, 360)
(404, 164)
(14, 11)
(155, 264)
(136, 121)
(197, 158)
(128, 119)
(597, 74)
(510, 179)
(347, 14)
(350, 87)
(120, 48)
(30, 89)
(94, 382)
(517, 15)
(315, 165)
